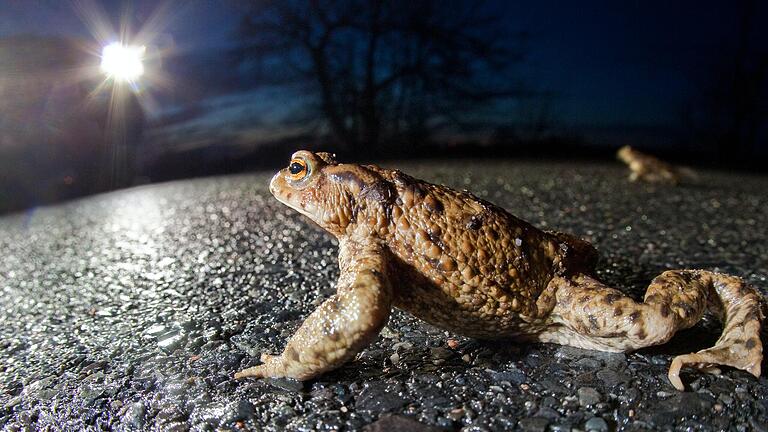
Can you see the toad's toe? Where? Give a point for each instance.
(255, 372)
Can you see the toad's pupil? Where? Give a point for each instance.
(296, 168)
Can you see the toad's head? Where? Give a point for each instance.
(329, 193)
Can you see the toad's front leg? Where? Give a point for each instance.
(343, 325)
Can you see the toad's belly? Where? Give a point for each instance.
(476, 314)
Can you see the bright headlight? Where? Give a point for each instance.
(121, 62)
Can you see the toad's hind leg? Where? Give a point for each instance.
(590, 315)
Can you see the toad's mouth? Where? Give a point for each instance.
(305, 211)
(298, 209)
(278, 190)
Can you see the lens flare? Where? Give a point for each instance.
(123, 63)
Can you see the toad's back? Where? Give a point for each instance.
(465, 264)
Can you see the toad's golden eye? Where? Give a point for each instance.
(298, 169)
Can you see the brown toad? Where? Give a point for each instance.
(647, 168)
(468, 266)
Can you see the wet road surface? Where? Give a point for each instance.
(132, 310)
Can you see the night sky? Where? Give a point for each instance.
(611, 66)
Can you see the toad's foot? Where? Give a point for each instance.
(591, 315)
(343, 325)
(740, 345)
(735, 355)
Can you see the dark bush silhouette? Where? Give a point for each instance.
(728, 119)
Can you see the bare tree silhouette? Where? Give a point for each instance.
(385, 72)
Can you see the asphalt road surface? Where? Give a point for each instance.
(132, 310)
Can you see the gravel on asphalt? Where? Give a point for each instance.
(131, 310)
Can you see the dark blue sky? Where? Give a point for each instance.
(612, 65)
(624, 62)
